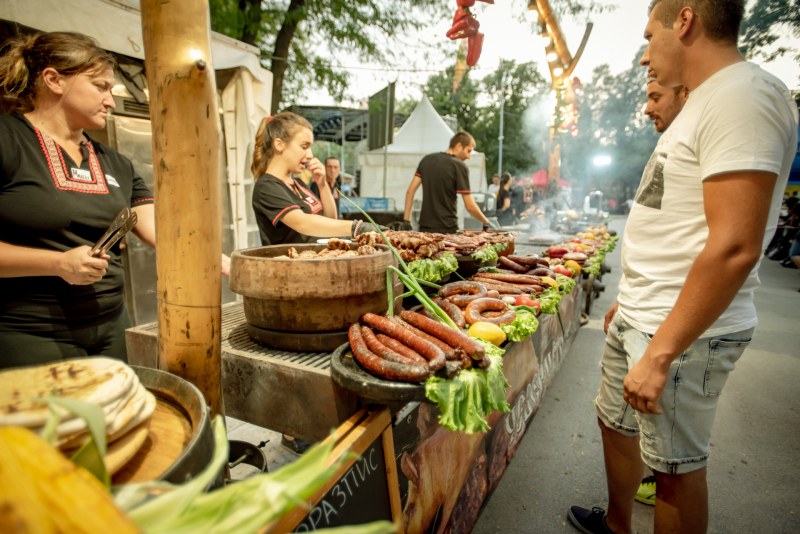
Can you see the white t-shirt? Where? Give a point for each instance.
(741, 118)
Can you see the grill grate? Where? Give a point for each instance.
(236, 340)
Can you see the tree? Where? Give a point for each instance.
(766, 24)
(297, 40)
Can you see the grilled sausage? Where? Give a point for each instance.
(465, 291)
(449, 352)
(428, 350)
(511, 278)
(381, 350)
(476, 310)
(454, 338)
(511, 264)
(380, 367)
(401, 349)
(525, 260)
(453, 311)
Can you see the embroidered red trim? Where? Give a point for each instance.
(58, 167)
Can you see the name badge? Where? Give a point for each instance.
(111, 180)
(81, 175)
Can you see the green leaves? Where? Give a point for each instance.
(466, 400)
(433, 270)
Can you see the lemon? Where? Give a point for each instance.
(549, 281)
(573, 266)
(488, 332)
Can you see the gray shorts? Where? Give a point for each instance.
(676, 441)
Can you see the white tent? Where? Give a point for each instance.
(423, 132)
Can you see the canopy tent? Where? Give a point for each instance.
(387, 171)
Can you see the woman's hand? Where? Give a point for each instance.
(78, 268)
(317, 170)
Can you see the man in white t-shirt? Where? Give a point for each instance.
(705, 208)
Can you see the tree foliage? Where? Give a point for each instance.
(299, 39)
(767, 22)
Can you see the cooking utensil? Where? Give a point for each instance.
(122, 224)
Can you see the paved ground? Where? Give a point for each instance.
(754, 468)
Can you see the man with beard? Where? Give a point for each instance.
(708, 201)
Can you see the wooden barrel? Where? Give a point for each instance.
(308, 295)
(180, 442)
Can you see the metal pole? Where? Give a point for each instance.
(386, 138)
(341, 168)
(500, 137)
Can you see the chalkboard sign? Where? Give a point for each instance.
(360, 496)
(365, 487)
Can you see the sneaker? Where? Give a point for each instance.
(295, 445)
(646, 494)
(589, 521)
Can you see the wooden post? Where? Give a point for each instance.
(187, 163)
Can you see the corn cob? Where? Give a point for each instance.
(42, 491)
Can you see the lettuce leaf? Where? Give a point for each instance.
(523, 326)
(467, 399)
(433, 270)
(485, 254)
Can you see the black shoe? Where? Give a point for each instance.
(295, 445)
(589, 521)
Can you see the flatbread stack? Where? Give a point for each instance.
(108, 383)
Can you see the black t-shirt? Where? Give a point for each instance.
(504, 217)
(337, 184)
(49, 202)
(272, 200)
(443, 177)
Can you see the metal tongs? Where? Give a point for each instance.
(123, 223)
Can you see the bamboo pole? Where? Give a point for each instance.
(187, 163)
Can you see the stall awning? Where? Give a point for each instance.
(333, 123)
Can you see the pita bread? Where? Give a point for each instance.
(99, 380)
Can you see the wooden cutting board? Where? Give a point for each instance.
(168, 433)
(122, 450)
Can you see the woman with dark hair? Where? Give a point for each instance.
(505, 213)
(286, 210)
(59, 192)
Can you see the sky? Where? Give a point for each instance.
(615, 39)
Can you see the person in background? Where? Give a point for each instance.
(444, 176)
(333, 177)
(59, 192)
(705, 208)
(663, 105)
(505, 215)
(286, 210)
(494, 187)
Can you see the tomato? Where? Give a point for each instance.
(560, 269)
(525, 300)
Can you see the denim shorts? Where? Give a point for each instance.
(676, 441)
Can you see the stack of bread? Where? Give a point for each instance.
(108, 383)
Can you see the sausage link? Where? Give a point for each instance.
(511, 264)
(525, 260)
(511, 278)
(380, 349)
(502, 287)
(475, 312)
(464, 291)
(380, 367)
(449, 352)
(454, 338)
(492, 293)
(453, 311)
(428, 350)
(401, 349)
(541, 271)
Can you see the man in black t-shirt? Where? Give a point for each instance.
(443, 176)
(334, 177)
